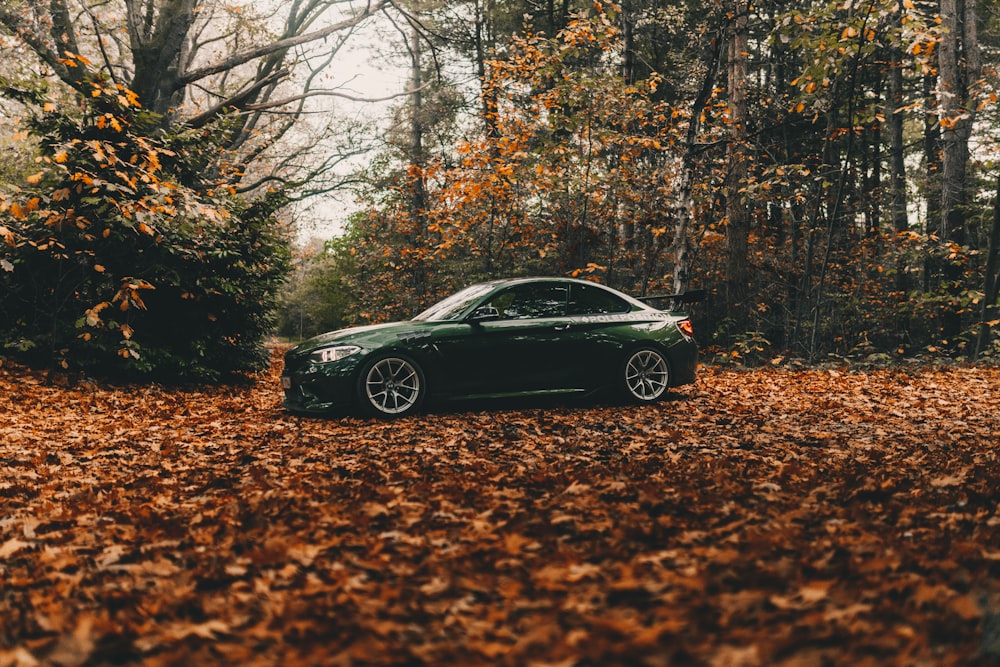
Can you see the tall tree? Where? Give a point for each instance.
(193, 64)
(895, 116)
(959, 70)
(737, 206)
(157, 126)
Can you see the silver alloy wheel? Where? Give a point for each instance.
(646, 375)
(392, 386)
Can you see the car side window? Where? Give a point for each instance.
(531, 301)
(590, 300)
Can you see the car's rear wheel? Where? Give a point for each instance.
(391, 386)
(646, 375)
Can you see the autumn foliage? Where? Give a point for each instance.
(812, 220)
(574, 175)
(116, 260)
(776, 517)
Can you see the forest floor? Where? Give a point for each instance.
(769, 517)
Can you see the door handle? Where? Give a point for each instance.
(562, 327)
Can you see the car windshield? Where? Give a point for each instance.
(456, 304)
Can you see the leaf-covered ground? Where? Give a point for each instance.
(773, 517)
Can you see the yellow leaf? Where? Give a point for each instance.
(11, 547)
(99, 268)
(36, 178)
(966, 607)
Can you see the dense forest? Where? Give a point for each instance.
(824, 170)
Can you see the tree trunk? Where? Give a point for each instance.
(628, 40)
(417, 158)
(418, 162)
(484, 44)
(897, 154)
(897, 142)
(991, 281)
(737, 211)
(958, 67)
(957, 73)
(949, 94)
(159, 50)
(683, 207)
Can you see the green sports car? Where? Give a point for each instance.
(512, 337)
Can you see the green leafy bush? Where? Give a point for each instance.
(319, 296)
(114, 264)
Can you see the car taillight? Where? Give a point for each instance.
(686, 328)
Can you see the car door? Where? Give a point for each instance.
(517, 347)
(592, 341)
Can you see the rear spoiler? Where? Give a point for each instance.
(690, 296)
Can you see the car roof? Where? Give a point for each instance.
(505, 282)
(540, 279)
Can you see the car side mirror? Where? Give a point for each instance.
(484, 314)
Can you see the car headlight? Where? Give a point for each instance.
(328, 354)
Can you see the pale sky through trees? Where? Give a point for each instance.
(362, 73)
(363, 84)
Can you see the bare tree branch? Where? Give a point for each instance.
(283, 44)
(235, 101)
(334, 93)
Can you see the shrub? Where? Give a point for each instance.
(109, 264)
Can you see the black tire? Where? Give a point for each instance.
(645, 375)
(391, 386)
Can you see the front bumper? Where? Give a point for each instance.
(312, 388)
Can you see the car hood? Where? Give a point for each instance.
(374, 335)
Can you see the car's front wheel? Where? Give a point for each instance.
(391, 386)
(646, 375)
